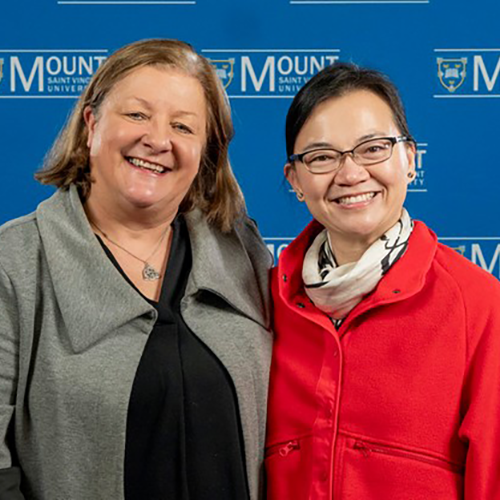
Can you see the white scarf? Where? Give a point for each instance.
(336, 290)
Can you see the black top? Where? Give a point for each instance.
(184, 438)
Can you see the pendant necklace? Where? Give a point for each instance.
(149, 273)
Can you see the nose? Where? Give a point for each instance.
(350, 173)
(158, 137)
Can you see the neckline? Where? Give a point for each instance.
(172, 258)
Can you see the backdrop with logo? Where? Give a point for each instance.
(443, 55)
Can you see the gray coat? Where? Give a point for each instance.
(72, 332)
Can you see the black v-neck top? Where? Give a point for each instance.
(184, 438)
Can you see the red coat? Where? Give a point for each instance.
(403, 402)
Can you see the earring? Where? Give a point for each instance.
(411, 175)
(300, 195)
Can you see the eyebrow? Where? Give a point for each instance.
(328, 145)
(140, 99)
(371, 136)
(186, 113)
(149, 106)
(318, 145)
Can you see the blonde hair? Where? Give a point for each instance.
(215, 190)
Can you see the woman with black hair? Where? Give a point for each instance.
(386, 367)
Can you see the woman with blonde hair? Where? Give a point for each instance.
(134, 337)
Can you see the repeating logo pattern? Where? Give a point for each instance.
(452, 72)
(485, 252)
(419, 183)
(467, 73)
(224, 70)
(44, 73)
(276, 246)
(268, 73)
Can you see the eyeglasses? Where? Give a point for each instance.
(371, 152)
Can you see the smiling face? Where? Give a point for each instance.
(146, 141)
(356, 204)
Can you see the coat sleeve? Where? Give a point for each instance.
(480, 427)
(10, 475)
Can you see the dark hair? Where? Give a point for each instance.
(335, 81)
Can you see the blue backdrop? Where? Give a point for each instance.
(444, 56)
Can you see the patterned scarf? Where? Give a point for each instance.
(336, 290)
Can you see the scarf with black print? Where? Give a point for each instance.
(336, 290)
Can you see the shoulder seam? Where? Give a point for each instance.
(21, 221)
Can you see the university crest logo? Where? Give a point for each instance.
(460, 249)
(225, 70)
(452, 72)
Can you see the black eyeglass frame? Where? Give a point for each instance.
(393, 141)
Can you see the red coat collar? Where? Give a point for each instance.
(405, 278)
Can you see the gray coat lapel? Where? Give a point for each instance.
(226, 265)
(234, 266)
(83, 275)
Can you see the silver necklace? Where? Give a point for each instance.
(149, 273)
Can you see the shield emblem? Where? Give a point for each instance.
(224, 70)
(460, 249)
(452, 72)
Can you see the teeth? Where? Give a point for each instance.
(145, 164)
(349, 200)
